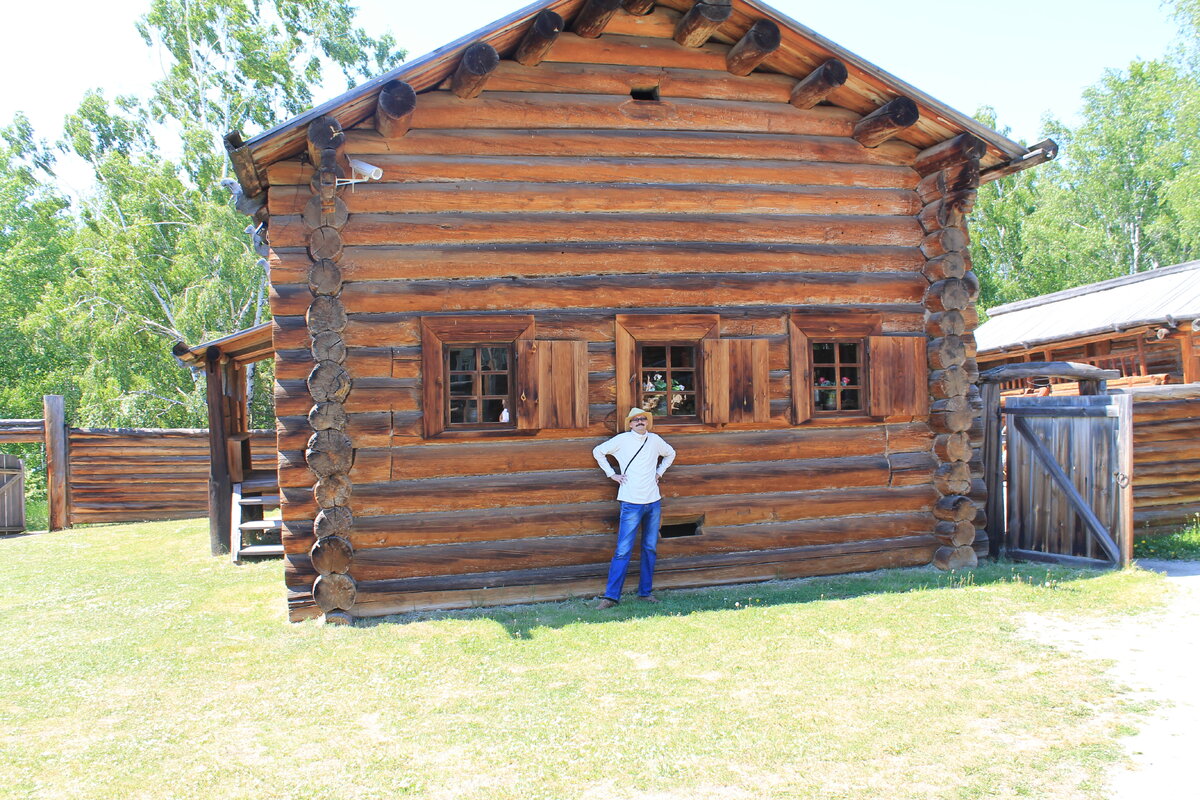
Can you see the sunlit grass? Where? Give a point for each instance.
(134, 665)
(1183, 544)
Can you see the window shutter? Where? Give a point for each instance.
(552, 388)
(801, 366)
(737, 380)
(899, 376)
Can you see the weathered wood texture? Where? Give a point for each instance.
(12, 494)
(123, 475)
(563, 192)
(1166, 454)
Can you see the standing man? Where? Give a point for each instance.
(637, 452)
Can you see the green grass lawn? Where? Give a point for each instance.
(135, 666)
(1184, 543)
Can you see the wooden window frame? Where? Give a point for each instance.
(478, 375)
(805, 327)
(696, 369)
(864, 380)
(634, 330)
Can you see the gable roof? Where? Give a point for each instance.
(1161, 296)
(801, 51)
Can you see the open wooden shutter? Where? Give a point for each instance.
(552, 388)
(801, 366)
(899, 376)
(736, 381)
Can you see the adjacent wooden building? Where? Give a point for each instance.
(703, 209)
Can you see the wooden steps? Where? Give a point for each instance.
(256, 494)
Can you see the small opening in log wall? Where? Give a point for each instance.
(649, 93)
(677, 529)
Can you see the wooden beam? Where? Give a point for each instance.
(639, 8)
(701, 22)
(593, 17)
(964, 147)
(817, 85)
(394, 109)
(220, 487)
(253, 183)
(325, 133)
(478, 62)
(1048, 369)
(760, 41)
(539, 38)
(57, 461)
(886, 121)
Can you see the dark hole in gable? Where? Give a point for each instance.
(649, 93)
(678, 528)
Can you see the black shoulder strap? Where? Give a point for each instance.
(635, 455)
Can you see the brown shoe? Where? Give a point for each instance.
(605, 603)
(648, 598)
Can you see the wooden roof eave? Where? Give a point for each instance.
(243, 347)
(287, 139)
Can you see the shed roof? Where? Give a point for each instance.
(1156, 297)
(801, 51)
(245, 347)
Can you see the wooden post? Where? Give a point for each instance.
(57, 461)
(220, 487)
(760, 41)
(326, 133)
(394, 109)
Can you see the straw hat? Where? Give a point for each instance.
(634, 412)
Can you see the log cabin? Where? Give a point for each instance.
(703, 209)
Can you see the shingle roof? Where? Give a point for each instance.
(1159, 296)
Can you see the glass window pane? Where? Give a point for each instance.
(825, 376)
(654, 381)
(498, 358)
(462, 385)
(462, 358)
(458, 410)
(493, 410)
(495, 384)
(850, 376)
(823, 352)
(656, 404)
(850, 400)
(825, 400)
(683, 404)
(848, 352)
(683, 381)
(683, 356)
(654, 356)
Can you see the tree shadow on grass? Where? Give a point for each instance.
(522, 620)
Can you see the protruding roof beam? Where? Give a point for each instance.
(701, 22)
(886, 121)
(394, 109)
(760, 41)
(1039, 153)
(638, 8)
(325, 133)
(964, 147)
(540, 37)
(593, 17)
(478, 62)
(817, 85)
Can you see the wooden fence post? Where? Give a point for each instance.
(58, 499)
(220, 487)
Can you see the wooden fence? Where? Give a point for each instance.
(12, 494)
(124, 474)
(1166, 457)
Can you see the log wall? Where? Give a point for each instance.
(555, 193)
(125, 475)
(1166, 458)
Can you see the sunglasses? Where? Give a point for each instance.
(636, 420)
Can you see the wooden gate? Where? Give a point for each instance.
(12, 494)
(1069, 469)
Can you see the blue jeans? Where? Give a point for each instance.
(634, 516)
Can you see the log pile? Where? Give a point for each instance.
(329, 451)
(950, 177)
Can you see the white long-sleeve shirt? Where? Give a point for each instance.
(641, 485)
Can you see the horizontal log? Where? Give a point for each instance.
(733, 146)
(459, 559)
(818, 84)
(438, 110)
(1166, 431)
(961, 148)
(760, 41)
(392, 597)
(394, 109)
(956, 178)
(610, 169)
(452, 228)
(637, 51)
(535, 260)
(504, 491)
(663, 198)
(361, 362)
(1167, 410)
(538, 39)
(370, 465)
(475, 66)
(593, 17)
(885, 122)
(701, 21)
(563, 293)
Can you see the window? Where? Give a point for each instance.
(676, 367)
(843, 366)
(838, 376)
(667, 380)
(480, 381)
(489, 376)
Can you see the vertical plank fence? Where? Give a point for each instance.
(12, 494)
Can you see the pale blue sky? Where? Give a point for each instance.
(1026, 60)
